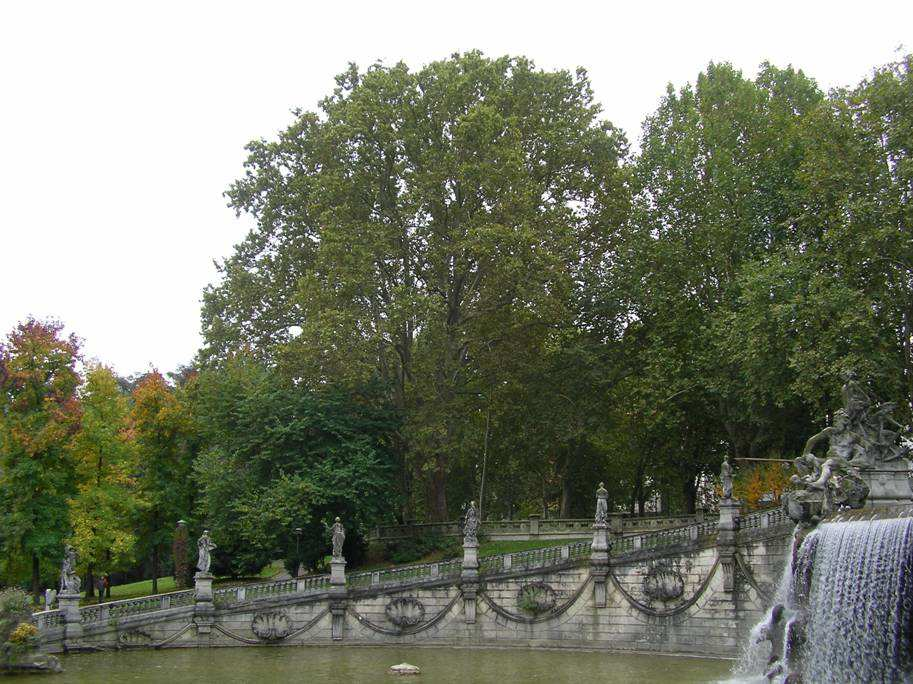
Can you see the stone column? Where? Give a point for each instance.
(203, 608)
(726, 540)
(599, 549)
(68, 603)
(470, 571)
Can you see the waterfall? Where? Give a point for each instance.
(859, 601)
(850, 595)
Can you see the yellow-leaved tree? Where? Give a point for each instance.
(103, 514)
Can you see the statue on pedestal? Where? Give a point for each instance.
(69, 579)
(726, 478)
(471, 525)
(602, 505)
(339, 538)
(205, 548)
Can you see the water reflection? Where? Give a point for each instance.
(365, 664)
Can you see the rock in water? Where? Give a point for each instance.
(404, 669)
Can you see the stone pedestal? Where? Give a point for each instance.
(338, 597)
(338, 572)
(726, 540)
(599, 562)
(203, 610)
(72, 620)
(470, 580)
(889, 483)
(338, 612)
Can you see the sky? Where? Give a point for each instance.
(124, 122)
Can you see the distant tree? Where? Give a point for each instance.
(104, 513)
(164, 432)
(280, 457)
(39, 414)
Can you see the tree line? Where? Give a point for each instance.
(548, 307)
(110, 465)
(464, 283)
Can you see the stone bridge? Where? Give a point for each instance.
(692, 589)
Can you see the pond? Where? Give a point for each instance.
(369, 664)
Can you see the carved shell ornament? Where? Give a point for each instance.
(663, 583)
(536, 598)
(405, 612)
(271, 626)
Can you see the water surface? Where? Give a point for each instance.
(336, 664)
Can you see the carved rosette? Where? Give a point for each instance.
(405, 612)
(271, 626)
(536, 598)
(663, 583)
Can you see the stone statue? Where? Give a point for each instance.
(774, 631)
(602, 505)
(69, 579)
(726, 478)
(339, 538)
(205, 548)
(859, 434)
(471, 525)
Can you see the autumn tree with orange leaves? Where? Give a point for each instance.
(164, 436)
(39, 414)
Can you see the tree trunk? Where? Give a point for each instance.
(439, 490)
(565, 496)
(485, 456)
(155, 569)
(36, 578)
(90, 582)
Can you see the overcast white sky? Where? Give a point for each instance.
(123, 122)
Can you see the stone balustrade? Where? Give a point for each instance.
(536, 527)
(678, 540)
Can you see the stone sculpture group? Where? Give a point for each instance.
(862, 449)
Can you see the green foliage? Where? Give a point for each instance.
(165, 436)
(281, 457)
(17, 635)
(105, 510)
(412, 549)
(427, 229)
(39, 413)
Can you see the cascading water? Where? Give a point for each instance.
(846, 610)
(859, 601)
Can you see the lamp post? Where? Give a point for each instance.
(298, 532)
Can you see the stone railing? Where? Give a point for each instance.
(536, 527)
(102, 612)
(48, 619)
(252, 592)
(534, 558)
(406, 574)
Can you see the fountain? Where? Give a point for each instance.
(843, 611)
